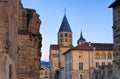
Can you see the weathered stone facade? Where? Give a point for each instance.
(82, 60)
(116, 37)
(8, 40)
(29, 44)
(20, 41)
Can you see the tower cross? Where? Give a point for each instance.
(65, 11)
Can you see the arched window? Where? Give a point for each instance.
(81, 76)
(109, 55)
(61, 35)
(97, 55)
(103, 55)
(66, 34)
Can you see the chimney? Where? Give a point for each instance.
(89, 43)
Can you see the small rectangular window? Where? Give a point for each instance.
(97, 64)
(66, 34)
(81, 66)
(61, 35)
(103, 63)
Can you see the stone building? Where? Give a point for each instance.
(44, 72)
(56, 50)
(66, 60)
(116, 36)
(83, 59)
(20, 41)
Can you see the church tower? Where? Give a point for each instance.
(65, 33)
(57, 50)
(81, 39)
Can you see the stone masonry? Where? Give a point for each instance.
(8, 40)
(20, 41)
(29, 44)
(116, 35)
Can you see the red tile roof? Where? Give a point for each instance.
(83, 46)
(102, 46)
(97, 46)
(90, 46)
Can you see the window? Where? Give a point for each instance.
(70, 35)
(55, 55)
(97, 55)
(103, 63)
(109, 56)
(61, 35)
(81, 66)
(66, 34)
(46, 73)
(97, 64)
(103, 56)
(66, 40)
(81, 76)
(80, 54)
(10, 71)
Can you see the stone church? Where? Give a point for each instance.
(20, 41)
(76, 62)
(57, 50)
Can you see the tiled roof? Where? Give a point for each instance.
(115, 4)
(65, 27)
(90, 46)
(83, 46)
(55, 47)
(102, 46)
(97, 46)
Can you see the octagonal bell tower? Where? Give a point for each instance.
(65, 33)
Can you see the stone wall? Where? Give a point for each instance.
(7, 67)
(29, 44)
(20, 41)
(116, 37)
(8, 38)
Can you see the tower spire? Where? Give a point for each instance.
(65, 33)
(65, 27)
(81, 39)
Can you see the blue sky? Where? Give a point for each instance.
(93, 17)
